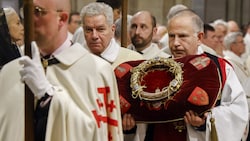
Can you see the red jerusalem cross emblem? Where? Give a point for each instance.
(109, 105)
(200, 62)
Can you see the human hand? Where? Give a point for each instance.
(194, 119)
(33, 73)
(128, 122)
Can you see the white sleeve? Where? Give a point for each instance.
(231, 115)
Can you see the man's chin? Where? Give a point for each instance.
(139, 46)
(179, 55)
(95, 50)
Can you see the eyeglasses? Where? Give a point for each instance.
(39, 11)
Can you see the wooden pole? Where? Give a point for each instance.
(124, 23)
(29, 97)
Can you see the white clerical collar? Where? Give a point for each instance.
(111, 52)
(148, 49)
(67, 43)
(199, 50)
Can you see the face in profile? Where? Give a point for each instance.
(98, 33)
(210, 39)
(15, 28)
(74, 23)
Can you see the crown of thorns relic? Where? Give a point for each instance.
(163, 89)
(157, 63)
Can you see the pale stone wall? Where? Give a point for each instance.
(209, 10)
(158, 8)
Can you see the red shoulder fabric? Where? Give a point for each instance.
(222, 63)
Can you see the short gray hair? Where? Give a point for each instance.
(220, 22)
(175, 9)
(196, 20)
(231, 38)
(98, 8)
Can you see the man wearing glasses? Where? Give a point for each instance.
(76, 91)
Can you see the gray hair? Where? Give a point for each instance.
(9, 12)
(219, 22)
(196, 20)
(118, 25)
(98, 8)
(175, 9)
(231, 38)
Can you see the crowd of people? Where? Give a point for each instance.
(72, 73)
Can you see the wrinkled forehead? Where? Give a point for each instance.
(180, 23)
(13, 17)
(180, 20)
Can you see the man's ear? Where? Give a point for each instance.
(200, 37)
(113, 28)
(63, 17)
(154, 30)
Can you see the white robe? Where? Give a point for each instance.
(85, 106)
(247, 42)
(78, 37)
(231, 116)
(241, 70)
(243, 74)
(115, 54)
(152, 51)
(207, 49)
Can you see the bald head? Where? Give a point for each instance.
(232, 26)
(64, 5)
(144, 15)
